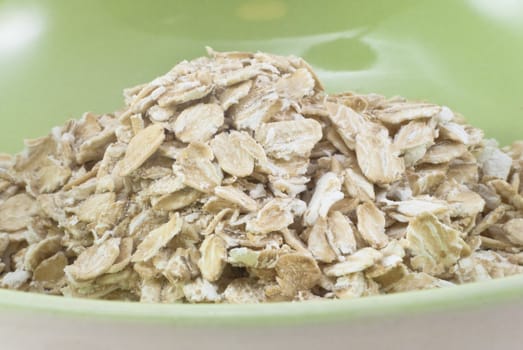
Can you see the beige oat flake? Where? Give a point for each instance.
(95, 260)
(371, 225)
(142, 146)
(157, 239)
(435, 247)
(198, 123)
(213, 259)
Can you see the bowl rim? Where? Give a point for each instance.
(472, 295)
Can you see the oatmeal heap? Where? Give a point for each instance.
(235, 178)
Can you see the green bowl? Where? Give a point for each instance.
(61, 58)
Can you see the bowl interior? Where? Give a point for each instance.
(61, 58)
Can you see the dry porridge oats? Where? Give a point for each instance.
(235, 178)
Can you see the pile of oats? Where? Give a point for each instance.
(235, 178)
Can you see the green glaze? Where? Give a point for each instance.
(474, 295)
(75, 56)
(61, 58)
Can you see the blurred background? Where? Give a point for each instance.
(61, 58)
